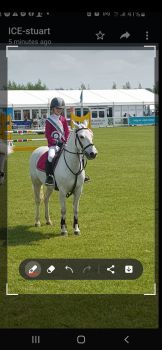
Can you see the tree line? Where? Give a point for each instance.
(127, 85)
(12, 85)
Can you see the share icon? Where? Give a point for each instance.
(110, 269)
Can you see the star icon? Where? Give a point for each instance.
(100, 35)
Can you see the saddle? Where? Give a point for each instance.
(41, 164)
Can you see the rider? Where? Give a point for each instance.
(56, 132)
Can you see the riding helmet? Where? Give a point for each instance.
(57, 102)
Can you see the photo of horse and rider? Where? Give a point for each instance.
(81, 190)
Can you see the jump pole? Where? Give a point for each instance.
(24, 148)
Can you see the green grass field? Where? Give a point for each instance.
(117, 215)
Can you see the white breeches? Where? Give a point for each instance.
(52, 151)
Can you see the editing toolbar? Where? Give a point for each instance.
(81, 269)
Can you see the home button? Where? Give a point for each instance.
(81, 339)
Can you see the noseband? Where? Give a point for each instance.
(80, 143)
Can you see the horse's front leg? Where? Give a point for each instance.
(63, 214)
(77, 194)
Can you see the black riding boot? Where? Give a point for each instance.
(49, 174)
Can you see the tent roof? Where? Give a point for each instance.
(21, 98)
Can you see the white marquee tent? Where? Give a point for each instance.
(107, 107)
(33, 98)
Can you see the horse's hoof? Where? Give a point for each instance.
(64, 234)
(76, 229)
(37, 224)
(77, 233)
(49, 223)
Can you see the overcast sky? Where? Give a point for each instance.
(70, 68)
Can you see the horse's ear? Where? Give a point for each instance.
(81, 125)
(76, 125)
(85, 123)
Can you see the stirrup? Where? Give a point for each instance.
(87, 179)
(49, 181)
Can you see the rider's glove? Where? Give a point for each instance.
(59, 143)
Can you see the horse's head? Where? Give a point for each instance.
(84, 141)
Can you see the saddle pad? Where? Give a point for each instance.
(42, 161)
(41, 164)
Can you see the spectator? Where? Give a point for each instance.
(125, 121)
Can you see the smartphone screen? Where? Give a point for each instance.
(79, 121)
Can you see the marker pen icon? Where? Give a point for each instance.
(33, 268)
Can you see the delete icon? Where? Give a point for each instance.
(128, 269)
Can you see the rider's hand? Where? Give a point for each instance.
(59, 143)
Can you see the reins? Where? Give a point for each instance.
(81, 166)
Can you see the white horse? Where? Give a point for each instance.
(69, 174)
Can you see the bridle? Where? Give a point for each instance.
(80, 143)
(81, 166)
(78, 139)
